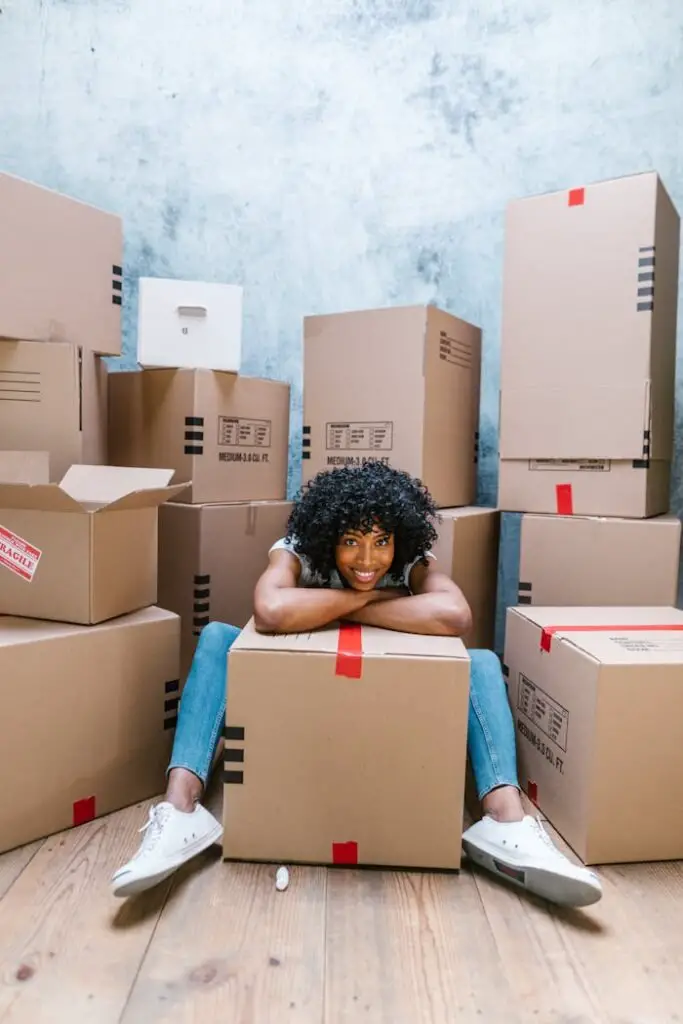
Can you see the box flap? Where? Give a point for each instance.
(25, 467)
(374, 643)
(147, 498)
(101, 485)
(42, 497)
(546, 617)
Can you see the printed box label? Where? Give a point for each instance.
(346, 437)
(241, 432)
(18, 555)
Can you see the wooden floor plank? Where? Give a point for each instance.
(68, 950)
(230, 947)
(403, 948)
(13, 863)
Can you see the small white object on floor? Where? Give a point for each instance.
(281, 879)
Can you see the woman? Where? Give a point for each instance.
(358, 548)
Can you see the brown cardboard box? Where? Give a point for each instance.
(210, 559)
(467, 551)
(588, 349)
(84, 550)
(597, 697)
(24, 467)
(60, 268)
(399, 385)
(346, 746)
(87, 719)
(53, 398)
(227, 433)
(579, 560)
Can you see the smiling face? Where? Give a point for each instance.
(364, 558)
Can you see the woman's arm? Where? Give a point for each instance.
(282, 607)
(436, 607)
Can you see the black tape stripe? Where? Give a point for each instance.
(233, 732)
(524, 599)
(647, 292)
(172, 686)
(196, 632)
(524, 586)
(306, 442)
(202, 593)
(645, 307)
(234, 755)
(117, 270)
(200, 620)
(231, 778)
(170, 723)
(117, 286)
(305, 455)
(505, 670)
(201, 581)
(194, 449)
(194, 435)
(116, 300)
(646, 277)
(646, 261)
(194, 421)
(646, 248)
(201, 606)
(641, 463)
(306, 430)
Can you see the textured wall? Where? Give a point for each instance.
(333, 154)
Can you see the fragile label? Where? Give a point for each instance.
(18, 555)
(241, 432)
(543, 710)
(359, 436)
(571, 465)
(455, 351)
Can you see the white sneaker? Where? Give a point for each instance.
(172, 837)
(522, 852)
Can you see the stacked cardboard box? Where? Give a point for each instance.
(586, 443)
(89, 664)
(225, 432)
(322, 776)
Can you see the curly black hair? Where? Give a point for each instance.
(358, 498)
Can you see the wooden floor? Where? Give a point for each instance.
(218, 943)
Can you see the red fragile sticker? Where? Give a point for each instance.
(345, 853)
(84, 810)
(577, 196)
(350, 651)
(547, 632)
(564, 500)
(532, 791)
(17, 555)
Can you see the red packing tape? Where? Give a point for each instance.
(564, 500)
(345, 853)
(532, 791)
(547, 632)
(350, 651)
(84, 810)
(577, 196)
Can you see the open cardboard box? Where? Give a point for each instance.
(83, 550)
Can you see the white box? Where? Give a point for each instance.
(192, 325)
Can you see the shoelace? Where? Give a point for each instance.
(153, 827)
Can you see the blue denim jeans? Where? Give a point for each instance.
(490, 737)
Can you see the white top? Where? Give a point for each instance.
(309, 578)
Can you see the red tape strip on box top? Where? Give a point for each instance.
(350, 651)
(547, 632)
(17, 555)
(564, 500)
(84, 810)
(345, 853)
(577, 196)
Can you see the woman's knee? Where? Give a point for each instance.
(217, 637)
(486, 663)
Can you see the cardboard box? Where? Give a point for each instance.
(587, 487)
(189, 324)
(398, 385)
(60, 268)
(597, 698)
(24, 467)
(210, 560)
(346, 746)
(53, 398)
(84, 550)
(228, 434)
(467, 551)
(588, 349)
(580, 560)
(87, 719)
